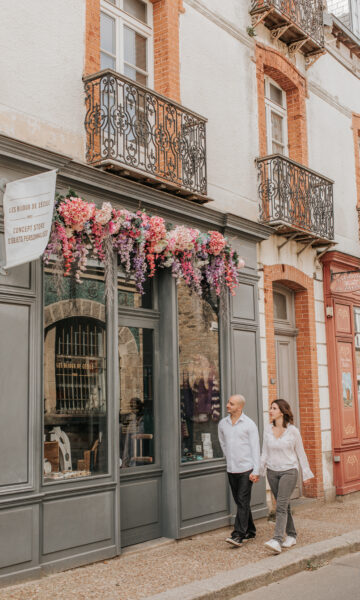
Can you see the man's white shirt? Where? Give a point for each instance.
(240, 444)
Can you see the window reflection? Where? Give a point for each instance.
(136, 396)
(75, 394)
(199, 376)
(129, 297)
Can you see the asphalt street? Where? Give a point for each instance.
(338, 579)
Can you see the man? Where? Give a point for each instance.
(239, 440)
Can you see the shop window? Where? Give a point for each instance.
(75, 390)
(200, 408)
(126, 38)
(276, 118)
(136, 352)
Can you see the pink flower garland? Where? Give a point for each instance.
(143, 244)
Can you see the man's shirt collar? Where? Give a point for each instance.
(241, 418)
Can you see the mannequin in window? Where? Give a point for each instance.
(130, 423)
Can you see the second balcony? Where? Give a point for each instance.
(140, 134)
(296, 201)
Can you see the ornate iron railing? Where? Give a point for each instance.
(132, 126)
(293, 195)
(306, 14)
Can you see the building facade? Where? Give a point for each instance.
(110, 410)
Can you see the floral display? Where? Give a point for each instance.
(143, 244)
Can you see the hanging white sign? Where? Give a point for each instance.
(28, 211)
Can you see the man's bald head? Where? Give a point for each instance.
(239, 398)
(235, 405)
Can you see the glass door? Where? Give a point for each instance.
(136, 370)
(139, 419)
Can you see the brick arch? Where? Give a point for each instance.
(307, 365)
(77, 307)
(272, 63)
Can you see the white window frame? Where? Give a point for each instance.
(123, 19)
(271, 106)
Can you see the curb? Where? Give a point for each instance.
(228, 584)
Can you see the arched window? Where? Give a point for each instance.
(75, 377)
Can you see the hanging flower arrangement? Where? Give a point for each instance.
(143, 244)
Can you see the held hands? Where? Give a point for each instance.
(306, 481)
(255, 478)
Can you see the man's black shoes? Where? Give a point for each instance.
(249, 536)
(235, 541)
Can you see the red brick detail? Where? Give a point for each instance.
(92, 37)
(272, 63)
(166, 44)
(356, 131)
(166, 47)
(306, 361)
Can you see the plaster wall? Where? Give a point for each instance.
(331, 153)
(41, 65)
(218, 80)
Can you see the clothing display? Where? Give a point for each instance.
(200, 411)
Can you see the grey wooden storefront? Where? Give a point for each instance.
(62, 524)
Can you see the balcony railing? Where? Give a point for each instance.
(295, 200)
(299, 23)
(144, 135)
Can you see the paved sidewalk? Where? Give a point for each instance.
(204, 566)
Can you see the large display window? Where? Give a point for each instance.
(75, 389)
(199, 376)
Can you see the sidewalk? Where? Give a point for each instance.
(172, 571)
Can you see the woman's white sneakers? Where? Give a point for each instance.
(274, 546)
(288, 542)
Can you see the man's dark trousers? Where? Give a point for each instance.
(241, 490)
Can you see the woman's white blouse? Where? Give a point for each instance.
(285, 452)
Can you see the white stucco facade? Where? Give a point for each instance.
(42, 50)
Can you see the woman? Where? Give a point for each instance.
(282, 452)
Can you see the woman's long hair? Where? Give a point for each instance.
(287, 414)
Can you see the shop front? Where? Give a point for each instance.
(342, 305)
(110, 406)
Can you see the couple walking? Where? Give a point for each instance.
(282, 452)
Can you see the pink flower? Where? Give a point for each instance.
(182, 238)
(241, 263)
(103, 215)
(157, 229)
(76, 212)
(217, 243)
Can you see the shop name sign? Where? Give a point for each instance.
(345, 282)
(28, 212)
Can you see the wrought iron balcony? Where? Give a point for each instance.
(298, 23)
(295, 200)
(143, 135)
